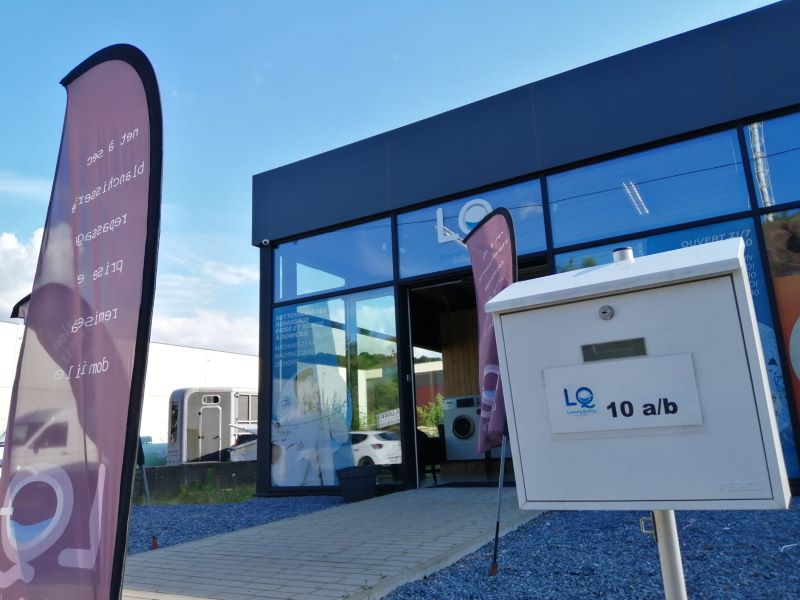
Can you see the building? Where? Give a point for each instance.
(169, 367)
(681, 142)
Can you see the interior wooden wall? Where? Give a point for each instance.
(460, 352)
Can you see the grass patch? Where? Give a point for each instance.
(204, 494)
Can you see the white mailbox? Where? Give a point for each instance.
(640, 385)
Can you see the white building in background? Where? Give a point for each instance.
(10, 342)
(169, 367)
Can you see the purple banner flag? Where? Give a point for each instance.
(494, 266)
(73, 425)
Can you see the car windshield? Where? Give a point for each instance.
(388, 435)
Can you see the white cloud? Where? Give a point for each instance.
(203, 285)
(375, 317)
(177, 293)
(196, 300)
(188, 309)
(19, 186)
(206, 328)
(17, 268)
(228, 274)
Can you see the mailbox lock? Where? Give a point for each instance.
(606, 312)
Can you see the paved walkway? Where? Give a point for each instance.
(357, 551)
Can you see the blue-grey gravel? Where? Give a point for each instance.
(560, 555)
(592, 554)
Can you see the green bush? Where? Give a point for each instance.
(430, 415)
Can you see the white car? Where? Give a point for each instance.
(375, 448)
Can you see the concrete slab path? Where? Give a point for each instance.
(356, 551)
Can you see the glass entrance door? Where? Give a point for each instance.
(446, 396)
(444, 339)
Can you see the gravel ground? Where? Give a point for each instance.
(179, 523)
(560, 555)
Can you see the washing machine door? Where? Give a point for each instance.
(463, 427)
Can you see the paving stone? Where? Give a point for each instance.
(321, 555)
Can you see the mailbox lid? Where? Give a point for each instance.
(685, 264)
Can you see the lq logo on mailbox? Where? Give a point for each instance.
(583, 402)
(653, 367)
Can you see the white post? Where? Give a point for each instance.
(666, 531)
(669, 553)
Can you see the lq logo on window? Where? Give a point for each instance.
(468, 217)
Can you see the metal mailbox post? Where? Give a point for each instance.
(640, 385)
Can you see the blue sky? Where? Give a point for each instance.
(247, 86)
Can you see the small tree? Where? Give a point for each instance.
(430, 415)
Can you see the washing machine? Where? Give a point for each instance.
(461, 418)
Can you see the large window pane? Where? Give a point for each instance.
(342, 259)
(744, 228)
(774, 149)
(310, 406)
(670, 185)
(335, 399)
(425, 248)
(782, 237)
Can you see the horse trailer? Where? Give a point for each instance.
(205, 422)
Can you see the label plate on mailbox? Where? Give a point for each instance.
(654, 391)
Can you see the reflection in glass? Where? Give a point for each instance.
(670, 185)
(782, 238)
(374, 385)
(429, 389)
(310, 404)
(334, 375)
(429, 395)
(774, 149)
(426, 248)
(745, 229)
(341, 259)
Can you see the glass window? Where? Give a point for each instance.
(254, 408)
(334, 380)
(774, 149)
(674, 184)
(374, 384)
(745, 229)
(426, 248)
(247, 408)
(346, 258)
